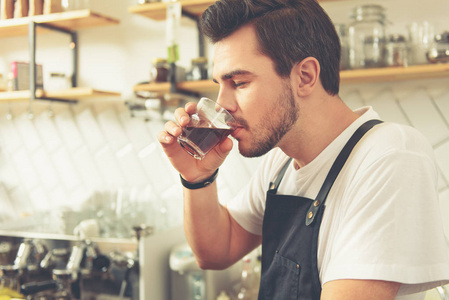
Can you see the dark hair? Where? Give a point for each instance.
(287, 30)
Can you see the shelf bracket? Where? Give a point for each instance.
(201, 47)
(32, 45)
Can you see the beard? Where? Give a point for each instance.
(267, 134)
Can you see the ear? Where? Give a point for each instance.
(307, 74)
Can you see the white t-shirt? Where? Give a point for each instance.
(382, 218)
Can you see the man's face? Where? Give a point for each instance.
(260, 100)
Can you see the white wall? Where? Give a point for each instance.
(94, 157)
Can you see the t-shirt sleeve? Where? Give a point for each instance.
(399, 236)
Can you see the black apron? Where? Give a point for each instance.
(290, 235)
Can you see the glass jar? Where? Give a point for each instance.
(198, 70)
(367, 37)
(159, 70)
(421, 38)
(397, 51)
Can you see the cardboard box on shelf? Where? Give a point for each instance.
(36, 7)
(52, 6)
(6, 9)
(21, 76)
(21, 8)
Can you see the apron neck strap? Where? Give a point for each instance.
(274, 185)
(336, 168)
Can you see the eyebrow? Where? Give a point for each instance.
(231, 74)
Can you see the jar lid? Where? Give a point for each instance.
(199, 60)
(361, 11)
(158, 60)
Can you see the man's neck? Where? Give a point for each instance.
(315, 129)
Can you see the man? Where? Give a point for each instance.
(379, 234)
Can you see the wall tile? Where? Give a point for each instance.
(45, 169)
(108, 166)
(386, 106)
(9, 178)
(68, 130)
(67, 171)
(25, 169)
(10, 138)
(8, 211)
(135, 130)
(27, 132)
(352, 99)
(90, 131)
(112, 129)
(423, 115)
(442, 103)
(87, 168)
(131, 167)
(48, 133)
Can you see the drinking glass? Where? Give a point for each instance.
(208, 127)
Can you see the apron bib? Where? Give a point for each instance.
(290, 231)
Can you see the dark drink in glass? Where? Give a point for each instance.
(208, 126)
(198, 141)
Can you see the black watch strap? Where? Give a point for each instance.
(199, 185)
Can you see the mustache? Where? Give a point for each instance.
(239, 122)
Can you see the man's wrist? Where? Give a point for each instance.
(198, 185)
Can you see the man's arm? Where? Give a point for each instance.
(216, 239)
(355, 289)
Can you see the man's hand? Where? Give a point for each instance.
(190, 168)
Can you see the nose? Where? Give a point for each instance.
(226, 99)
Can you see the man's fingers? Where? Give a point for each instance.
(172, 128)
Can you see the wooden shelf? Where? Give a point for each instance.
(157, 10)
(347, 77)
(79, 93)
(70, 20)
(394, 73)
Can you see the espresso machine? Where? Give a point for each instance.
(43, 267)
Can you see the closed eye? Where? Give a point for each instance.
(240, 84)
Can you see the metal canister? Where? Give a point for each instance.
(198, 71)
(397, 51)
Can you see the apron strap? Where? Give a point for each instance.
(274, 185)
(336, 167)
